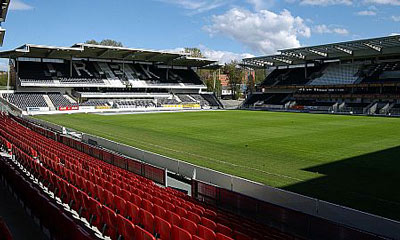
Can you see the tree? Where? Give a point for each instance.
(250, 83)
(235, 77)
(194, 52)
(105, 42)
(208, 77)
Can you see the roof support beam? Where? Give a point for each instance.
(50, 52)
(323, 54)
(103, 53)
(374, 47)
(283, 60)
(294, 55)
(345, 50)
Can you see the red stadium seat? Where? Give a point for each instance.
(147, 220)
(125, 194)
(180, 211)
(198, 211)
(126, 229)
(141, 234)
(173, 218)
(227, 231)
(120, 205)
(169, 206)
(110, 222)
(208, 223)
(194, 237)
(206, 233)
(162, 228)
(158, 201)
(147, 205)
(220, 236)
(180, 234)
(194, 217)
(189, 226)
(159, 211)
(210, 214)
(136, 199)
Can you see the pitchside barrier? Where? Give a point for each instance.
(295, 213)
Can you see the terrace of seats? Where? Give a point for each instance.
(26, 100)
(186, 98)
(381, 73)
(60, 100)
(94, 73)
(291, 76)
(336, 73)
(119, 204)
(137, 103)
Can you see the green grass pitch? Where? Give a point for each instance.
(348, 160)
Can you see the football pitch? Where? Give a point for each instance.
(348, 160)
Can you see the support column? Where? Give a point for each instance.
(70, 68)
(8, 78)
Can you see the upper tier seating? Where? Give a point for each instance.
(95, 73)
(338, 74)
(119, 202)
(290, 76)
(26, 100)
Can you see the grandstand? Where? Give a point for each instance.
(72, 79)
(356, 77)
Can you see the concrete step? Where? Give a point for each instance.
(49, 102)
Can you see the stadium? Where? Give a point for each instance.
(113, 142)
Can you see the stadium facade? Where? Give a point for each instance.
(93, 78)
(355, 77)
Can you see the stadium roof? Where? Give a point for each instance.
(3, 13)
(4, 8)
(366, 48)
(82, 50)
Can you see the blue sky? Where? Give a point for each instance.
(223, 29)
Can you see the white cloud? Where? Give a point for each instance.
(396, 18)
(384, 2)
(323, 29)
(326, 2)
(224, 56)
(197, 6)
(366, 13)
(220, 56)
(19, 5)
(264, 31)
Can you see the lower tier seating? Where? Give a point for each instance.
(26, 100)
(120, 204)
